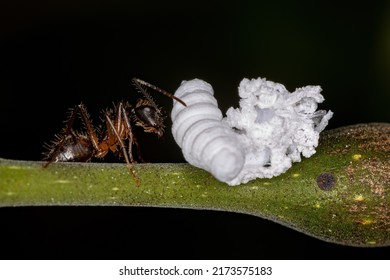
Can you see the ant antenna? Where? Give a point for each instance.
(138, 82)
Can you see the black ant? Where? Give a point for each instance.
(71, 145)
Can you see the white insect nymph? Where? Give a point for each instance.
(261, 139)
(206, 141)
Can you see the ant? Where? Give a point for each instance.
(71, 145)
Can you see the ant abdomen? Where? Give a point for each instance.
(73, 148)
(78, 149)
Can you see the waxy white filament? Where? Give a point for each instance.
(261, 139)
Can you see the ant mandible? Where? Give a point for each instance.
(71, 145)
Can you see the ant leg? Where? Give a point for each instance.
(129, 166)
(53, 153)
(119, 121)
(138, 150)
(132, 138)
(88, 125)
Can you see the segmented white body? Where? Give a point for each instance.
(205, 140)
(261, 139)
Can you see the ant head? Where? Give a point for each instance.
(149, 117)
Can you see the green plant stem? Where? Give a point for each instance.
(355, 211)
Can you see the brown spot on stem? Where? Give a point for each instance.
(326, 181)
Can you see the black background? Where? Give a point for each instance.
(55, 54)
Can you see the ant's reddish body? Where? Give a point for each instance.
(71, 145)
